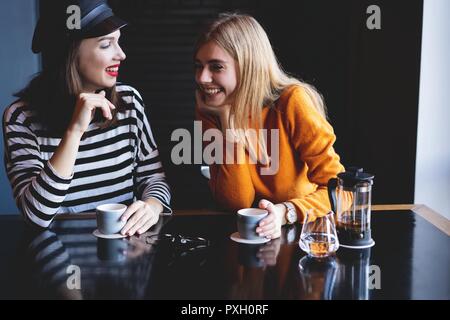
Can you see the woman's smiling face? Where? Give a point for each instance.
(215, 74)
(99, 61)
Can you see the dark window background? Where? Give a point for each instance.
(369, 78)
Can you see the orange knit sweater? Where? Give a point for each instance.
(307, 160)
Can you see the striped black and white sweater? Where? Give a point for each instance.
(118, 164)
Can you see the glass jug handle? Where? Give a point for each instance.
(332, 185)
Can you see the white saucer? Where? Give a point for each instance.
(98, 234)
(371, 244)
(236, 237)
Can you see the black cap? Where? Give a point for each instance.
(96, 19)
(354, 176)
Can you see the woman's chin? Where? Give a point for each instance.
(108, 83)
(215, 102)
(104, 85)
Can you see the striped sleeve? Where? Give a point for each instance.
(38, 190)
(149, 173)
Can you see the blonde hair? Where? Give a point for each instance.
(261, 78)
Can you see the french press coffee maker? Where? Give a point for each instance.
(350, 196)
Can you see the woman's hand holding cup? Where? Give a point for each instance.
(270, 226)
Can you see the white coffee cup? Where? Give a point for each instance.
(108, 218)
(248, 220)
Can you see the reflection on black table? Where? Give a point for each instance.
(68, 262)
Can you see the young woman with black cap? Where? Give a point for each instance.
(76, 139)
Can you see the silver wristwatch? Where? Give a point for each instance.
(291, 213)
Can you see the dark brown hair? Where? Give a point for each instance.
(54, 91)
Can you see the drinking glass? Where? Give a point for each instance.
(318, 237)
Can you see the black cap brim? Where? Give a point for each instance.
(107, 26)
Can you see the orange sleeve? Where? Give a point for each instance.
(230, 184)
(313, 138)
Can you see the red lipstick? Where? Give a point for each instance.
(113, 71)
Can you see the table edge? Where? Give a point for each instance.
(425, 212)
(436, 219)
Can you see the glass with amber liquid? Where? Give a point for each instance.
(318, 237)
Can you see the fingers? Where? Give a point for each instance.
(140, 217)
(99, 101)
(144, 224)
(269, 206)
(113, 107)
(266, 204)
(131, 209)
(263, 203)
(126, 230)
(266, 223)
(93, 102)
(268, 230)
(269, 226)
(102, 103)
(148, 224)
(130, 216)
(144, 217)
(272, 234)
(107, 113)
(269, 219)
(109, 103)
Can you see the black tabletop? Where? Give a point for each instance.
(192, 257)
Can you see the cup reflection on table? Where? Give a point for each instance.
(111, 249)
(259, 255)
(248, 255)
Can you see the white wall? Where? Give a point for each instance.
(432, 186)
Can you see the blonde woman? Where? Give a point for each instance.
(242, 87)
